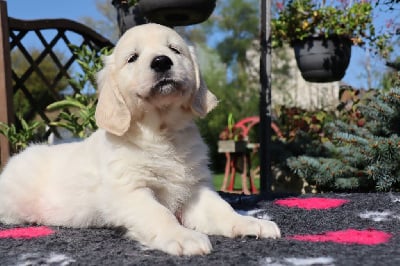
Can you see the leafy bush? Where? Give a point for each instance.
(359, 156)
(77, 114)
(20, 138)
(77, 111)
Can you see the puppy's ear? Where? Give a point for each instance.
(203, 100)
(112, 113)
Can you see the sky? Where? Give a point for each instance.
(76, 9)
(35, 9)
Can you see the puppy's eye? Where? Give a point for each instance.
(174, 49)
(132, 58)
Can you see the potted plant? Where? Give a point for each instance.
(177, 12)
(322, 34)
(231, 138)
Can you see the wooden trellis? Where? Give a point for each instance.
(12, 35)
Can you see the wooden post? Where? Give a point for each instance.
(6, 90)
(265, 99)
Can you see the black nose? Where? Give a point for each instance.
(161, 63)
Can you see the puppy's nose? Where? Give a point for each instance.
(161, 63)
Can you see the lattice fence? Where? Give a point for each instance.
(39, 52)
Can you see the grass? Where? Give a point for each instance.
(218, 179)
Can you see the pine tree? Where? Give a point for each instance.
(359, 156)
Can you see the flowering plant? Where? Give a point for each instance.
(300, 19)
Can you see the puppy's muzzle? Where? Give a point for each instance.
(161, 63)
(165, 84)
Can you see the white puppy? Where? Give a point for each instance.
(146, 167)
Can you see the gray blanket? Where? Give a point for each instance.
(328, 229)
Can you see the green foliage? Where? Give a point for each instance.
(392, 77)
(21, 137)
(232, 133)
(358, 157)
(300, 19)
(77, 112)
(231, 122)
(292, 120)
(302, 132)
(218, 180)
(91, 62)
(238, 20)
(132, 2)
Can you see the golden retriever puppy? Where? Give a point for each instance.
(145, 169)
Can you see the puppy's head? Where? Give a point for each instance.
(151, 66)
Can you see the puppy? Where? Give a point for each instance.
(145, 168)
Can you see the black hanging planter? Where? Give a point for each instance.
(323, 59)
(177, 12)
(127, 16)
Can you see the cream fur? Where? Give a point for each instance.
(146, 167)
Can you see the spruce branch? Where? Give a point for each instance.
(359, 156)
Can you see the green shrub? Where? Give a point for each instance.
(359, 156)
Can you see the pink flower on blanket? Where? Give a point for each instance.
(311, 203)
(26, 232)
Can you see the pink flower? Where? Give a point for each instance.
(279, 5)
(389, 23)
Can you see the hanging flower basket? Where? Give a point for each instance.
(177, 12)
(323, 59)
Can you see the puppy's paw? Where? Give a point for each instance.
(182, 242)
(250, 226)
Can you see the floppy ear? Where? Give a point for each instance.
(203, 100)
(112, 113)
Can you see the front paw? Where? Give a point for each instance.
(182, 241)
(250, 226)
